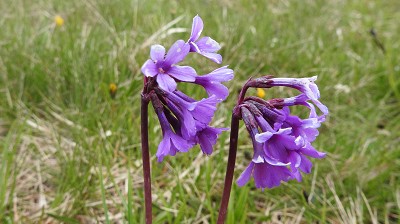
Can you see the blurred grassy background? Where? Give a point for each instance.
(70, 153)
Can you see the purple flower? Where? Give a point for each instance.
(282, 149)
(163, 67)
(207, 137)
(305, 128)
(185, 120)
(265, 175)
(171, 142)
(266, 170)
(206, 46)
(302, 163)
(304, 85)
(212, 82)
(193, 118)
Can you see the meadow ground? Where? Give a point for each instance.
(70, 153)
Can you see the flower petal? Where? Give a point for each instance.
(181, 144)
(163, 148)
(222, 74)
(305, 164)
(182, 103)
(309, 150)
(245, 176)
(149, 69)
(157, 53)
(176, 53)
(183, 73)
(220, 91)
(205, 144)
(205, 108)
(263, 137)
(197, 28)
(207, 44)
(217, 58)
(166, 83)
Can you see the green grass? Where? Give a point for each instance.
(58, 165)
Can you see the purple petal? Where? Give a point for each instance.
(294, 159)
(176, 53)
(188, 127)
(220, 91)
(263, 137)
(305, 165)
(197, 28)
(276, 150)
(205, 144)
(321, 106)
(181, 144)
(183, 73)
(297, 175)
(184, 96)
(163, 148)
(205, 108)
(309, 150)
(183, 104)
(245, 176)
(149, 69)
(222, 74)
(157, 53)
(166, 83)
(207, 44)
(267, 176)
(265, 127)
(274, 162)
(207, 137)
(217, 58)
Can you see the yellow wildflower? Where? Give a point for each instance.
(113, 90)
(58, 20)
(260, 93)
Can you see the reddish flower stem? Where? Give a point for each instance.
(229, 169)
(146, 157)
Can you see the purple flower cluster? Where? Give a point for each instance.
(185, 121)
(281, 141)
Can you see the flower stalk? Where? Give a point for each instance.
(146, 157)
(230, 168)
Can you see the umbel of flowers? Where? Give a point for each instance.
(184, 120)
(281, 140)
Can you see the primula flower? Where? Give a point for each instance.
(304, 85)
(163, 67)
(207, 137)
(185, 120)
(281, 140)
(171, 142)
(206, 46)
(266, 170)
(212, 82)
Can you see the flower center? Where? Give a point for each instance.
(161, 70)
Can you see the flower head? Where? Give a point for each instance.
(281, 140)
(184, 120)
(58, 20)
(163, 68)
